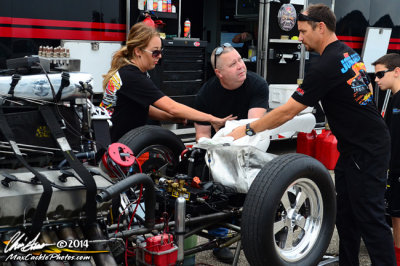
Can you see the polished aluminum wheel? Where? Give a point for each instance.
(298, 220)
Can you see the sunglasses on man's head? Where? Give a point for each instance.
(302, 17)
(155, 53)
(219, 51)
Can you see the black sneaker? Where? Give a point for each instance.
(223, 255)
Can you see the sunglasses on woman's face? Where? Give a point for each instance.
(381, 74)
(155, 53)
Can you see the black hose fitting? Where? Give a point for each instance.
(149, 198)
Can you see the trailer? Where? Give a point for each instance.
(92, 30)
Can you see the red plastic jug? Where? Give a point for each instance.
(326, 149)
(306, 143)
(318, 144)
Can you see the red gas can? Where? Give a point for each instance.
(326, 149)
(306, 143)
(319, 144)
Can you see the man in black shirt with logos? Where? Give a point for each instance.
(233, 90)
(339, 80)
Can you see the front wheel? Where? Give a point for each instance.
(289, 213)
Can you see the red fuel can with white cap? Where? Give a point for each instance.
(326, 149)
(306, 143)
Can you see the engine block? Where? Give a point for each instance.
(20, 200)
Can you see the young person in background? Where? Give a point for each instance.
(387, 76)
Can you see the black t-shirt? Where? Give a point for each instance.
(393, 121)
(128, 96)
(339, 80)
(220, 102)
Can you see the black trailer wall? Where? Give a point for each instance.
(27, 24)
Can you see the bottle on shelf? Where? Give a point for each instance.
(164, 6)
(160, 6)
(252, 50)
(186, 28)
(149, 5)
(169, 7)
(141, 4)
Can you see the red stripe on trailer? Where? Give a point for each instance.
(61, 23)
(394, 46)
(351, 38)
(354, 45)
(61, 34)
(357, 42)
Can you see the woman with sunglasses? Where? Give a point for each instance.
(130, 95)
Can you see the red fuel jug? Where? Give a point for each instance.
(318, 144)
(326, 149)
(306, 143)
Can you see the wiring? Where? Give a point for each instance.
(130, 222)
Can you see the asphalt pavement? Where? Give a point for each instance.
(207, 258)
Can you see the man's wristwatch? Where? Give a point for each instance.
(249, 130)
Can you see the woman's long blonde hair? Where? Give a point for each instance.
(139, 37)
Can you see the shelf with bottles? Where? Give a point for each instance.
(159, 8)
(284, 41)
(161, 15)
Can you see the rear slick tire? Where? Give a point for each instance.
(289, 213)
(161, 147)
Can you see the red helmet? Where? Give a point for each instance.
(148, 21)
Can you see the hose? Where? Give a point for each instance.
(149, 199)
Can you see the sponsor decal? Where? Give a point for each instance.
(349, 61)
(359, 81)
(300, 91)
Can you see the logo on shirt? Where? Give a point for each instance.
(300, 91)
(110, 94)
(396, 111)
(349, 61)
(359, 81)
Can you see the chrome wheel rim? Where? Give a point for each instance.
(298, 220)
(164, 156)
